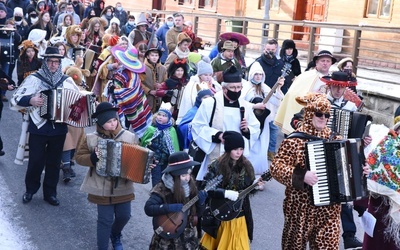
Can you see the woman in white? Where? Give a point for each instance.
(203, 80)
(256, 89)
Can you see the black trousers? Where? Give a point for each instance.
(44, 152)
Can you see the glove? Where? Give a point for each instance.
(202, 197)
(360, 210)
(231, 195)
(169, 93)
(175, 207)
(93, 158)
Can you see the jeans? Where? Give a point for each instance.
(111, 219)
(66, 158)
(346, 216)
(273, 135)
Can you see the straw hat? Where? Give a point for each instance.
(128, 58)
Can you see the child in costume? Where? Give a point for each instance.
(161, 137)
(112, 195)
(169, 196)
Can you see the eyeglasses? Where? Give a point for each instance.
(320, 114)
(53, 62)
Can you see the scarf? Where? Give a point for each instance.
(169, 183)
(181, 54)
(166, 136)
(53, 77)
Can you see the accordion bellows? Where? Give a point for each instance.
(119, 159)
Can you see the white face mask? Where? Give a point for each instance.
(34, 20)
(119, 8)
(18, 22)
(131, 23)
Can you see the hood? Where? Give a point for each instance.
(256, 68)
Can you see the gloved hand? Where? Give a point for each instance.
(202, 197)
(175, 207)
(93, 158)
(231, 195)
(169, 93)
(360, 210)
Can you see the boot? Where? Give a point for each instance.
(66, 174)
(351, 242)
(72, 172)
(116, 242)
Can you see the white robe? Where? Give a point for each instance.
(258, 153)
(225, 118)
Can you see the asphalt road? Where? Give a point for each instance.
(72, 225)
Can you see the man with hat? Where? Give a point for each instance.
(226, 111)
(140, 33)
(171, 37)
(308, 81)
(225, 60)
(46, 137)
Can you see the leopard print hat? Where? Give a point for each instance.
(313, 102)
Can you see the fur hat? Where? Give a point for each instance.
(232, 140)
(339, 78)
(324, 53)
(73, 30)
(232, 74)
(106, 40)
(288, 44)
(396, 119)
(104, 112)
(183, 37)
(26, 45)
(141, 20)
(315, 102)
(204, 68)
(179, 163)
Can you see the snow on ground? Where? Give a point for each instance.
(12, 235)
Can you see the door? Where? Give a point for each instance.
(158, 5)
(312, 10)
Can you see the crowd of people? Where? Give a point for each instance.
(212, 122)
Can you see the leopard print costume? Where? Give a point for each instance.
(304, 222)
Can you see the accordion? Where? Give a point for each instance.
(70, 106)
(347, 123)
(119, 159)
(338, 165)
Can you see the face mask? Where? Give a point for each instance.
(119, 8)
(18, 22)
(75, 2)
(18, 18)
(131, 23)
(233, 96)
(109, 14)
(70, 12)
(170, 23)
(269, 54)
(254, 82)
(34, 20)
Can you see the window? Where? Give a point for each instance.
(274, 4)
(379, 8)
(261, 4)
(183, 2)
(207, 4)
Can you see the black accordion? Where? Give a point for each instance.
(338, 165)
(349, 124)
(69, 106)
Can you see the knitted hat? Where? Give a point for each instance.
(204, 68)
(324, 53)
(179, 163)
(30, 9)
(113, 40)
(114, 20)
(104, 112)
(18, 10)
(165, 111)
(183, 37)
(3, 7)
(232, 75)
(200, 94)
(339, 78)
(232, 140)
(396, 119)
(141, 20)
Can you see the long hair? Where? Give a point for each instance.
(25, 60)
(63, 21)
(41, 23)
(90, 30)
(179, 193)
(231, 170)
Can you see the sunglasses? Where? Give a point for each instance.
(320, 114)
